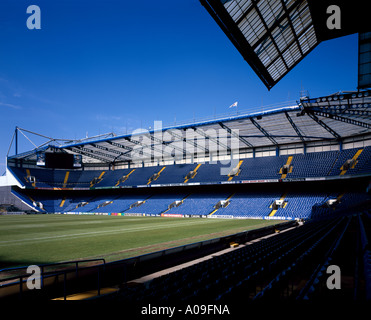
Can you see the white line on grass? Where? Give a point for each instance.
(112, 231)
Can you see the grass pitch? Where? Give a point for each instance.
(40, 239)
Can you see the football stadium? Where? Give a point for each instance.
(255, 207)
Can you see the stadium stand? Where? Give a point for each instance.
(316, 164)
(270, 203)
(267, 204)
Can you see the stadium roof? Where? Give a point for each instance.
(272, 36)
(332, 118)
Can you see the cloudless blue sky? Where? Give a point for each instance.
(118, 65)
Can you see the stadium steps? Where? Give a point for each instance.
(28, 178)
(343, 170)
(65, 181)
(238, 171)
(179, 204)
(288, 163)
(62, 202)
(273, 212)
(97, 180)
(150, 180)
(340, 196)
(194, 172)
(124, 178)
(211, 213)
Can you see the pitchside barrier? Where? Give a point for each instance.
(169, 215)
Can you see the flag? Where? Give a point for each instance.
(233, 105)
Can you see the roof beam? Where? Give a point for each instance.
(233, 133)
(351, 109)
(286, 136)
(206, 136)
(132, 149)
(269, 34)
(324, 125)
(291, 25)
(115, 144)
(289, 45)
(88, 154)
(295, 127)
(189, 141)
(262, 130)
(118, 153)
(342, 119)
(278, 22)
(153, 138)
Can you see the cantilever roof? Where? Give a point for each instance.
(330, 118)
(272, 36)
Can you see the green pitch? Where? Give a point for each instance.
(39, 239)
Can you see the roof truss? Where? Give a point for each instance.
(266, 134)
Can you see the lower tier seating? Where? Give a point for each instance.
(260, 205)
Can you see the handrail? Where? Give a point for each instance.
(7, 282)
(52, 264)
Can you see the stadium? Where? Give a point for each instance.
(248, 208)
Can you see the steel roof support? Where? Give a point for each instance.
(262, 130)
(88, 154)
(295, 127)
(324, 125)
(343, 119)
(215, 140)
(153, 138)
(132, 149)
(269, 34)
(192, 142)
(119, 154)
(233, 133)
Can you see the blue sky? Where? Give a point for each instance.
(118, 65)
